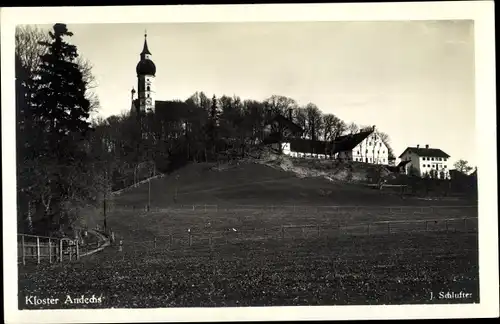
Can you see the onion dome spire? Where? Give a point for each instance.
(145, 49)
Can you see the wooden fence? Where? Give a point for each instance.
(37, 249)
(300, 208)
(230, 236)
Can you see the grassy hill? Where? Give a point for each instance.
(250, 183)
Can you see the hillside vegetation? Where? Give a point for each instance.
(279, 181)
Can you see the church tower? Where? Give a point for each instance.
(146, 71)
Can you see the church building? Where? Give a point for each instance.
(146, 71)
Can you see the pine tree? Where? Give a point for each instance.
(61, 113)
(61, 96)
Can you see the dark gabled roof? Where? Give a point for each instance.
(309, 146)
(341, 143)
(432, 152)
(403, 163)
(350, 141)
(293, 127)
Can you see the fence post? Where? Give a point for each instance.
(193, 207)
(77, 250)
(37, 250)
(50, 251)
(155, 242)
(60, 250)
(190, 239)
(120, 247)
(24, 253)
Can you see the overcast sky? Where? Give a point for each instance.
(414, 80)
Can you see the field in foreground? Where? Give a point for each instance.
(348, 270)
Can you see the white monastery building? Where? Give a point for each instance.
(426, 161)
(365, 146)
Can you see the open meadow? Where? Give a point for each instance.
(350, 270)
(252, 235)
(161, 264)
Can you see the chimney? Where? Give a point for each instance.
(426, 146)
(418, 145)
(290, 114)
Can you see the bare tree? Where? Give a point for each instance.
(352, 128)
(91, 81)
(279, 105)
(333, 127)
(463, 166)
(314, 121)
(28, 47)
(387, 141)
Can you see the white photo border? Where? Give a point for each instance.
(481, 12)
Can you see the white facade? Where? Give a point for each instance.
(426, 165)
(146, 92)
(371, 150)
(285, 147)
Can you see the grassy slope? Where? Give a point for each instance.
(255, 184)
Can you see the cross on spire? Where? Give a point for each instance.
(145, 49)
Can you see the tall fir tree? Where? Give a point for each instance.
(61, 113)
(61, 96)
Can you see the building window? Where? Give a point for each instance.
(358, 152)
(366, 151)
(444, 166)
(148, 88)
(432, 159)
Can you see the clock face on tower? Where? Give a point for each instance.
(148, 101)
